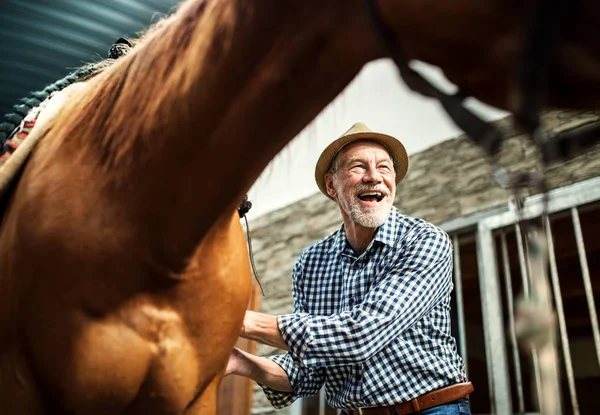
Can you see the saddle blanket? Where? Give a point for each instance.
(33, 127)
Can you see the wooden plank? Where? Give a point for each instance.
(235, 392)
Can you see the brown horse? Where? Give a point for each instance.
(123, 269)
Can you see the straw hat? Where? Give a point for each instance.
(360, 131)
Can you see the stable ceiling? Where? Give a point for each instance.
(41, 41)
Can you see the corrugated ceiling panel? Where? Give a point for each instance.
(41, 41)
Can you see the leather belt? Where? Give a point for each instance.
(437, 397)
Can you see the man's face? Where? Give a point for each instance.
(364, 183)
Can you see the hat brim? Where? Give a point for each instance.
(394, 147)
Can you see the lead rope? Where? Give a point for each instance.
(244, 208)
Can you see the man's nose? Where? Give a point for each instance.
(372, 175)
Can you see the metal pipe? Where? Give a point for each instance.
(501, 402)
(525, 278)
(460, 310)
(511, 324)
(585, 272)
(562, 325)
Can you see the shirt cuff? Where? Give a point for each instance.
(295, 331)
(280, 399)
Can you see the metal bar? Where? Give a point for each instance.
(486, 331)
(460, 309)
(511, 324)
(589, 294)
(295, 408)
(522, 262)
(587, 191)
(322, 402)
(560, 200)
(562, 325)
(525, 278)
(493, 322)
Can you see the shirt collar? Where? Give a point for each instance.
(386, 234)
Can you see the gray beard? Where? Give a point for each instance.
(369, 219)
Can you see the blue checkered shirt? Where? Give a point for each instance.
(374, 328)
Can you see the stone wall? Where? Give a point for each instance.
(447, 181)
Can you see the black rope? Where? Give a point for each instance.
(244, 208)
(485, 134)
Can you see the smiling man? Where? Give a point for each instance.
(371, 316)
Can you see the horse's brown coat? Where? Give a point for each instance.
(123, 269)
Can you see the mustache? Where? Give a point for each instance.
(367, 188)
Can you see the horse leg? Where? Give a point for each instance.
(206, 403)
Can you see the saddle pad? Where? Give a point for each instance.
(34, 126)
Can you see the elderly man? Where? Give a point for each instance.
(371, 316)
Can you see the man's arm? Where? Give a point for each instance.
(298, 382)
(260, 369)
(263, 328)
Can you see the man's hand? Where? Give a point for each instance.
(259, 369)
(263, 328)
(238, 364)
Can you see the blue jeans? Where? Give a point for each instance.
(460, 407)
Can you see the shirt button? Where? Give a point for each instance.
(351, 301)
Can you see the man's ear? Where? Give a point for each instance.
(329, 185)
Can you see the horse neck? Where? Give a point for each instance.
(185, 124)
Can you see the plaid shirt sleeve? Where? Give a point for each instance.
(419, 278)
(305, 381)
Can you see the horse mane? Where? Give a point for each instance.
(130, 100)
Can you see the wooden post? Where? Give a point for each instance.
(235, 392)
